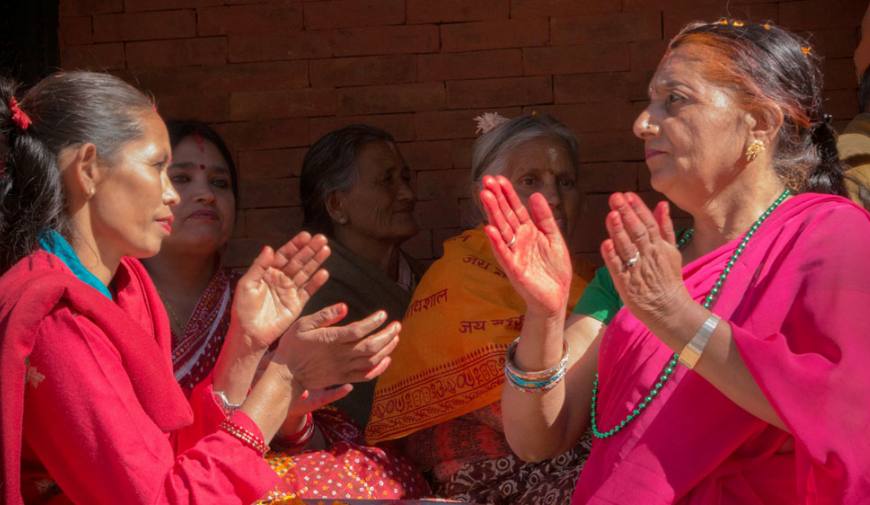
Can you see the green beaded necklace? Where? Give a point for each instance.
(669, 368)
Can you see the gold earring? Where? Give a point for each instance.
(755, 148)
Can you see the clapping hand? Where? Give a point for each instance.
(272, 293)
(528, 245)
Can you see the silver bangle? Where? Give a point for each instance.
(691, 353)
(225, 404)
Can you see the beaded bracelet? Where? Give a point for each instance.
(253, 441)
(534, 381)
(298, 439)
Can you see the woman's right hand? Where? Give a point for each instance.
(537, 262)
(320, 355)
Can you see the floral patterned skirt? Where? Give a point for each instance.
(509, 480)
(347, 469)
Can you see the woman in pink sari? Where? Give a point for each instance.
(737, 370)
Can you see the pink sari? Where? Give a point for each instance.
(796, 302)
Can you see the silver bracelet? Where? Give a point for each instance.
(226, 405)
(691, 353)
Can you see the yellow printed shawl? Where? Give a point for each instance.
(450, 358)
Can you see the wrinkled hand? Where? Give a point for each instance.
(653, 287)
(537, 263)
(321, 355)
(272, 293)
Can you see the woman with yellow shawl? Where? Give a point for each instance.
(440, 398)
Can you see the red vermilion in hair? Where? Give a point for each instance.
(19, 117)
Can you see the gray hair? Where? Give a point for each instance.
(491, 149)
(330, 166)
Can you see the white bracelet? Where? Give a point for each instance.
(690, 354)
(225, 404)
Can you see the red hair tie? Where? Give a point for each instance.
(19, 117)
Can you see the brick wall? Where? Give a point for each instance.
(273, 76)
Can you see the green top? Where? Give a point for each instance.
(600, 300)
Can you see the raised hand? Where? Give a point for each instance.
(528, 245)
(642, 258)
(319, 354)
(272, 293)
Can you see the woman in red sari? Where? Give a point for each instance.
(197, 289)
(91, 411)
(737, 371)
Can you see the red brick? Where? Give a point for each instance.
(600, 87)
(450, 124)
(499, 92)
(208, 108)
(645, 56)
(442, 213)
(159, 5)
(364, 70)
(241, 252)
(276, 133)
(353, 13)
(621, 27)
(386, 40)
(834, 43)
(593, 117)
(460, 152)
(591, 222)
(450, 11)
(426, 155)
(266, 193)
(93, 57)
(419, 246)
(89, 7)
(811, 14)
(279, 75)
(177, 53)
(277, 224)
(628, 5)
(280, 104)
(676, 19)
(76, 31)
(248, 19)
(555, 8)
(400, 126)
(435, 184)
(392, 98)
(576, 59)
(288, 46)
(145, 26)
(610, 177)
(494, 34)
(473, 65)
(841, 103)
(609, 146)
(272, 163)
(839, 73)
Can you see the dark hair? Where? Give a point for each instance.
(329, 166)
(763, 65)
(66, 108)
(864, 92)
(181, 129)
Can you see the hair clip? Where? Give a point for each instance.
(722, 21)
(806, 50)
(767, 26)
(488, 121)
(737, 23)
(828, 119)
(19, 117)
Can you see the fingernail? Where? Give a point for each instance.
(380, 316)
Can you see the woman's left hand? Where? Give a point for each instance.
(271, 294)
(642, 257)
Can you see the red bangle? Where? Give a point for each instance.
(245, 436)
(298, 439)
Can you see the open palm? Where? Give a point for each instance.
(528, 246)
(271, 294)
